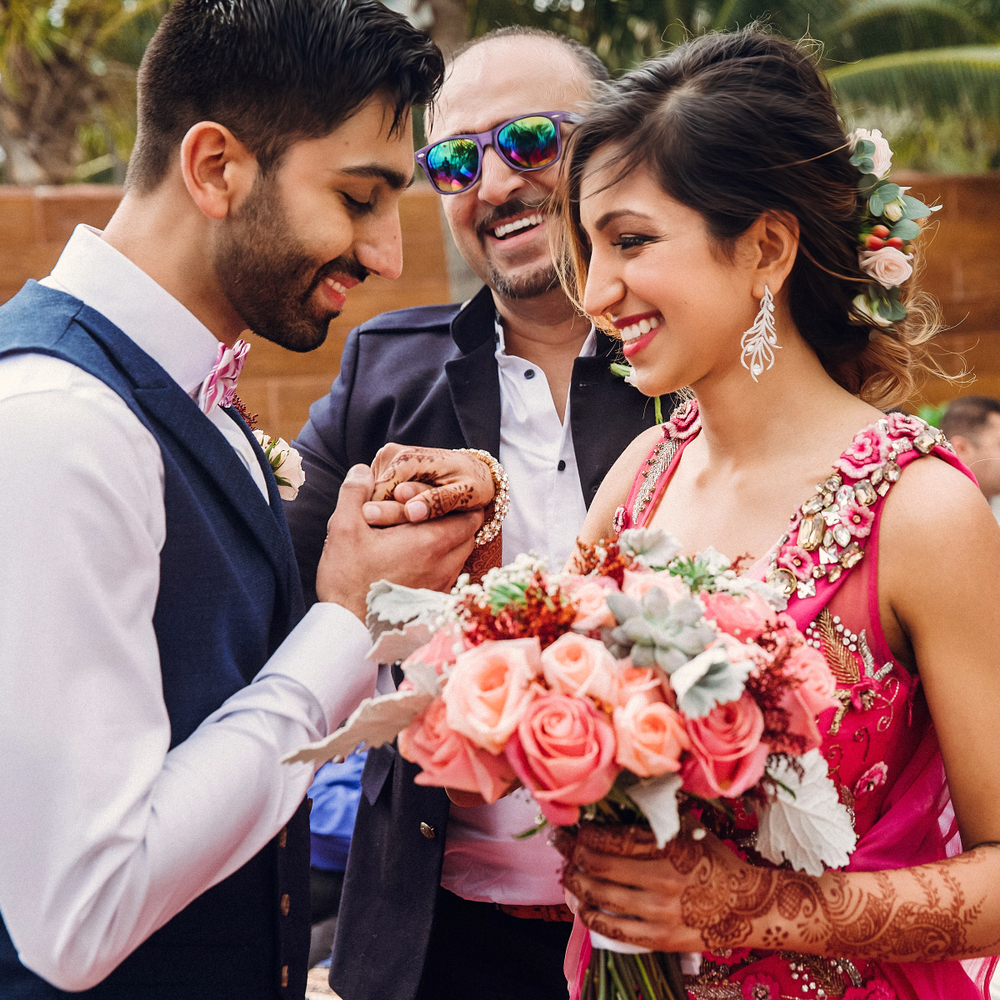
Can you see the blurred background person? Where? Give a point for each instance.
(972, 424)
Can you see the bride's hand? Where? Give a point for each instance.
(680, 901)
(417, 484)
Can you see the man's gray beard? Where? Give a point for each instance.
(529, 287)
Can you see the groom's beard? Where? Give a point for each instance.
(268, 277)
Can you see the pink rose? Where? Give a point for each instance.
(727, 756)
(811, 696)
(651, 737)
(904, 425)
(489, 690)
(857, 518)
(637, 583)
(739, 652)
(440, 652)
(564, 752)
(448, 760)
(683, 421)
(589, 598)
(579, 666)
(889, 267)
(796, 560)
(744, 616)
(638, 682)
(866, 453)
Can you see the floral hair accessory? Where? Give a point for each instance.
(888, 225)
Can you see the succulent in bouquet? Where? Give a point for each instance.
(643, 686)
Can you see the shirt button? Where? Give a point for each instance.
(428, 831)
(530, 373)
(561, 466)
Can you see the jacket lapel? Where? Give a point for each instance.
(473, 378)
(606, 414)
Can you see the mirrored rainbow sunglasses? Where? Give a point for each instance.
(529, 142)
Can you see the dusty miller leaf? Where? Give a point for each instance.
(374, 722)
(806, 824)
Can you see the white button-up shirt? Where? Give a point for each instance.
(104, 834)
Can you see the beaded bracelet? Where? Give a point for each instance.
(501, 496)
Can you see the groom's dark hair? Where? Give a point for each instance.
(274, 72)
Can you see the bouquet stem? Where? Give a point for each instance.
(652, 976)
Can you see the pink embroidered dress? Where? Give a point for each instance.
(880, 744)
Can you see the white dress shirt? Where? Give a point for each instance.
(104, 834)
(483, 860)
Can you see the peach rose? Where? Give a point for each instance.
(448, 759)
(638, 682)
(638, 582)
(727, 756)
(592, 611)
(564, 752)
(889, 267)
(743, 616)
(811, 697)
(578, 666)
(651, 737)
(489, 689)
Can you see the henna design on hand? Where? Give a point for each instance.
(459, 482)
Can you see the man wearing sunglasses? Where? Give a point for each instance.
(441, 901)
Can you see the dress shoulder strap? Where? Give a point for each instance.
(656, 471)
(829, 534)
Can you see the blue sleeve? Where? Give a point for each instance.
(335, 793)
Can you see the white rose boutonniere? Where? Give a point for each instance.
(286, 464)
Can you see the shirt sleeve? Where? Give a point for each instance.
(104, 834)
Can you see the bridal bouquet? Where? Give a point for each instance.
(618, 696)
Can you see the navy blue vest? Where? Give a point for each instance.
(229, 594)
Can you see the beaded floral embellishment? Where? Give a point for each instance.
(827, 533)
(684, 422)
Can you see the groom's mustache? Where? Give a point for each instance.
(348, 266)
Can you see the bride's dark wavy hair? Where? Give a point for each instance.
(735, 125)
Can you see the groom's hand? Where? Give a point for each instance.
(418, 484)
(355, 554)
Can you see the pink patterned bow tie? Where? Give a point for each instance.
(219, 388)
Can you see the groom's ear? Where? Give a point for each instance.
(218, 170)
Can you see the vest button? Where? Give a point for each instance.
(283, 836)
(286, 904)
(428, 831)
(284, 977)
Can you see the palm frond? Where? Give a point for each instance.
(938, 81)
(924, 23)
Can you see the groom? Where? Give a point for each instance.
(155, 663)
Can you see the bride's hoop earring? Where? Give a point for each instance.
(760, 342)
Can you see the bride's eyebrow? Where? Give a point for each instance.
(618, 213)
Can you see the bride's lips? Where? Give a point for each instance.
(334, 288)
(637, 331)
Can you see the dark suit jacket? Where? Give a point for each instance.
(423, 376)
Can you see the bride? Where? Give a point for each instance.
(713, 220)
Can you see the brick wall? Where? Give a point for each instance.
(962, 254)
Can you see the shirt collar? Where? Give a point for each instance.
(92, 270)
(587, 350)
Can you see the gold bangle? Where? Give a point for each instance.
(501, 496)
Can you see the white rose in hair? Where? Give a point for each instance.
(882, 157)
(285, 462)
(889, 267)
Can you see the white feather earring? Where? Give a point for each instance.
(760, 342)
